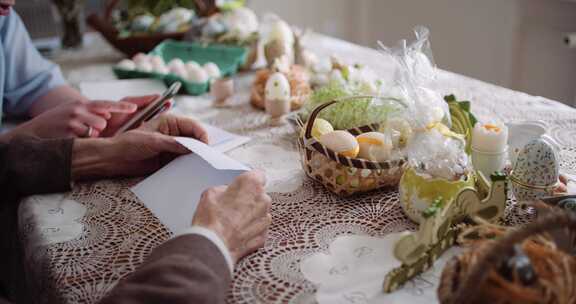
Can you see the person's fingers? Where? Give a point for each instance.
(190, 128)
(161, 143)
(102, 106)
(253, 180)
(140, 101)
(77, 128)
(90, 119)
(254, 244)
(564, 179)
(258, 227)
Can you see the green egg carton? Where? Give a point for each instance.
(228, 58)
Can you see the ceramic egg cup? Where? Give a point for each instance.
(489, 162)
(222, 90)
(277, 109)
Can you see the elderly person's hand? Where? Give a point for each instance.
(134, 153)
(239, 213)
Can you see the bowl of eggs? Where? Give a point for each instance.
(352, 161)
(192, 64)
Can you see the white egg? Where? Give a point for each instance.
(197, 75)
(141, 57)
(282, 31)
(176, 64)
(191, 65)
(127, 65)
(157, 61)
(144, 66)
(180, 72)
(161, 70)
(278, 87)
(212, 70)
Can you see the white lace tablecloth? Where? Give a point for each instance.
(81, 243)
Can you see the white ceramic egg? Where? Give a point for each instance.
(375, 146)
(278, 87)
(144, 66)
(127, 65)
(176, 64)
(280, 30)
(197, 75)
(536, 171)
(212, 69)
(140, 57)
(341, 142)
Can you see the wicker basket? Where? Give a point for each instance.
(131, 46)
(343, 175)
(473, 276)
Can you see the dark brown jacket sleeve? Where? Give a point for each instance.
(187, 269)
(30, 165)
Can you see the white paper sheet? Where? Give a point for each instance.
(222, 140)
(173, 192)
(118, 89)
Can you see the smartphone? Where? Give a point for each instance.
(151, 110)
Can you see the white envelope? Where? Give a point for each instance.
(173, 192)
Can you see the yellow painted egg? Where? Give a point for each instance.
(341, 142)
(320, 127)
(375, 146)
(277, 87)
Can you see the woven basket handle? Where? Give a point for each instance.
(318, 109)
(489, 258)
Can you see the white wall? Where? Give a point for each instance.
(512, 43)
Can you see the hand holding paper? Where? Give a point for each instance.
(173, 192)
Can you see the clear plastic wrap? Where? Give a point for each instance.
(415, 72)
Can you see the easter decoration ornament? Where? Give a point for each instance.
(439, 188)
(222, 90)
(277, 97)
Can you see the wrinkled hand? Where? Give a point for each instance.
(73, 119)
(239, 213)
(137, 152)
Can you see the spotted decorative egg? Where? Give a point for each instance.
(197, 74)
(127, 65)
(536, 171)
(212, 70)
(278, 87)
(341, 142)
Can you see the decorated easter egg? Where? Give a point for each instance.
(277, 87)
(375, 146)
(280, 30)
(212, 70)
(127, 65)
(140, 57)
(142, 23)
(321, 127)
(197, 74)
(144, 66)
(341, 142)
(536, 171)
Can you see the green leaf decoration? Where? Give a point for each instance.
(463, 121)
